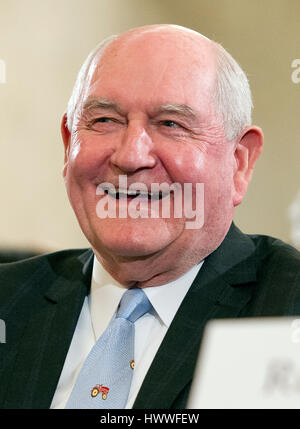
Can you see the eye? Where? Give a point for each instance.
(103, 124)
(103, 119)
(171, 124)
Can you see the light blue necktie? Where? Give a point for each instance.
(105, 378)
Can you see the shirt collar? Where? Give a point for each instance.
(106, 293)
(166, 299)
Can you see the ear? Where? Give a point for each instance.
(247, 151)
(66, 136)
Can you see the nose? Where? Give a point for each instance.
(135, 150)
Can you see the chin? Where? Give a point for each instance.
(134, 239)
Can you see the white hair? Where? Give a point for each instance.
(232, 98)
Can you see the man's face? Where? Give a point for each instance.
(149, 115)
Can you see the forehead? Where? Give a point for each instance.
(156, 68)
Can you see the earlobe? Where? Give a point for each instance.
(66, 136)
(247, 152)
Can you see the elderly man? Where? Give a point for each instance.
(156, 105)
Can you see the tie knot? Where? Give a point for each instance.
(133, 305)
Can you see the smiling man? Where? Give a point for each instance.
(157, 133)
(149, 112)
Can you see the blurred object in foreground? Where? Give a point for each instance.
(294, 215)
(13, 255)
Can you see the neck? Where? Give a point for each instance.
(153, 270)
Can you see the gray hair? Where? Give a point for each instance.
(232, 98)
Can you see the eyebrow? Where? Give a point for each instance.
(101, 103)
(180, 109)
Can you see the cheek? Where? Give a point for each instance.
(86, 161)
(84, 165)
(188, 163)
(183, 163)
(213, 168)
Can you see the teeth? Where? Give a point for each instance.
(133, 193)
(122, 193)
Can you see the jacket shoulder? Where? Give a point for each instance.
(275, 252)
(278, 277)
(28, 271)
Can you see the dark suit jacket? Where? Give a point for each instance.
(41, 299)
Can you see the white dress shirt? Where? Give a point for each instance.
(98, 309)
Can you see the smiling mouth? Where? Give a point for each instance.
(127, 194)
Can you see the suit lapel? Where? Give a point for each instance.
(221, 289)
(46, 337)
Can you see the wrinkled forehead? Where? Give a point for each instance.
(157, 61)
